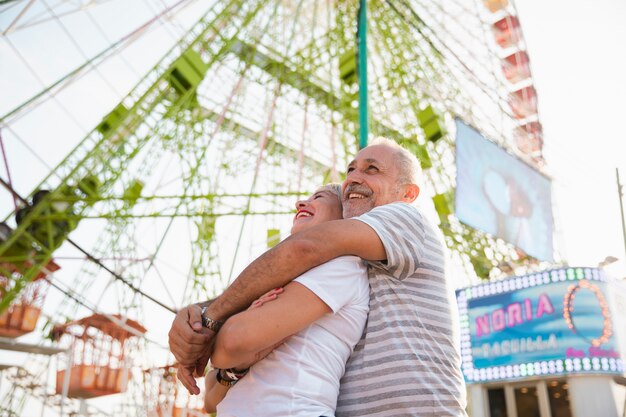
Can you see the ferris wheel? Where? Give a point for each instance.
(144, 172)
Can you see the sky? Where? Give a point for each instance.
(579, 69)
(576, 53)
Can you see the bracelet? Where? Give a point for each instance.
(209, 323)
(229, 377)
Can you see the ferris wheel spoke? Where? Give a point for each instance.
(19, 16)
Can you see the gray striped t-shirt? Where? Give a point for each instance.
(407, 362)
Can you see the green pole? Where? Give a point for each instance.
(362, 66)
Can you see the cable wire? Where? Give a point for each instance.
(96, 260)
(102, 54)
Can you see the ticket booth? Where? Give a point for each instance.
(548, 344)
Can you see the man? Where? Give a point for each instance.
(406, 362)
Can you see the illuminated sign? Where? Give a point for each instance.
(501, 195)
(552, 322)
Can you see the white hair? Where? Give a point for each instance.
(409, 168)
(333, 187)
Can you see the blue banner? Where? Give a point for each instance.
(553, 322)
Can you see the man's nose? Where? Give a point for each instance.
(354, 177)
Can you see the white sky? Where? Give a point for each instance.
(576, 49)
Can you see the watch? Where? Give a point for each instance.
(209, 323)
(222, 380)
(229, 377)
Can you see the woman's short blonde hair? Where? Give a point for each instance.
(332, 187)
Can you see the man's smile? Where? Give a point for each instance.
(357, 192)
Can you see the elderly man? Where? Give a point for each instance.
(406, 362)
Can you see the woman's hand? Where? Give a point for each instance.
(266, 298)
(250, 335)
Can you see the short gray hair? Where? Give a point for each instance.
(333, 187)
(409, 168)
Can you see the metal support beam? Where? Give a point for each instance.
(272, 63)
(16, 346)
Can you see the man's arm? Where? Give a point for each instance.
(294, 256)
(275, 268)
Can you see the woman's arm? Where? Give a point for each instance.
(247, 337)
(214, 392)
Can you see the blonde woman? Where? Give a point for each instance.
(295, 340)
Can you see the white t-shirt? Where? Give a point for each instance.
(301, 377)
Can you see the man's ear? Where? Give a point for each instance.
(411, 191)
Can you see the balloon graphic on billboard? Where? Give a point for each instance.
(501, 195)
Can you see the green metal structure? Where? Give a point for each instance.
(258, 103)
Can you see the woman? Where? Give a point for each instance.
(304, 354)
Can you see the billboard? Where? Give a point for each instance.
(501, 195)
(548, 323)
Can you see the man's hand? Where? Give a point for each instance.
(191, 344)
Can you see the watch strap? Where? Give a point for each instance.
(229, 377)
(220, 379)
(209, 323)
